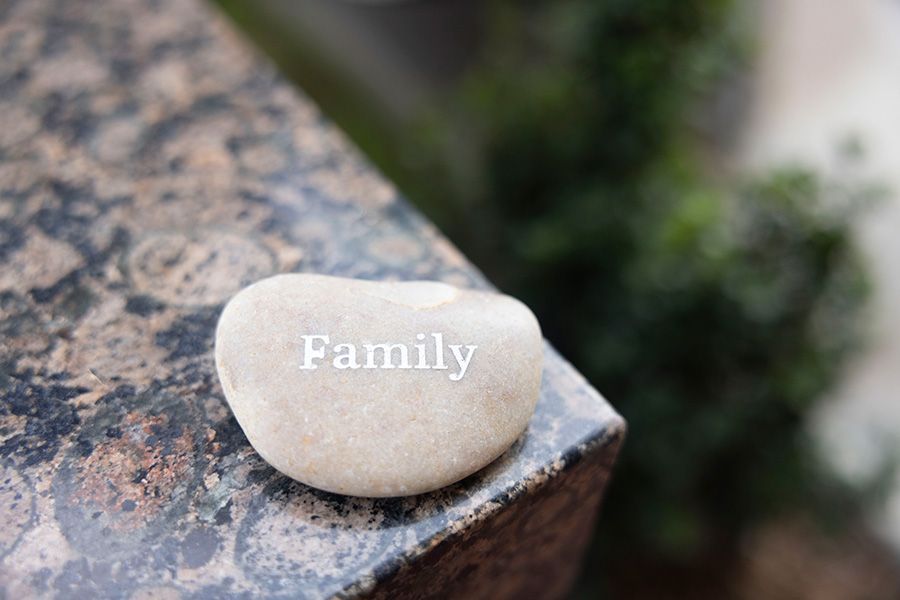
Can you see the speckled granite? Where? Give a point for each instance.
(150, 165)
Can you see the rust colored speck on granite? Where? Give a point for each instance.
(150, 166)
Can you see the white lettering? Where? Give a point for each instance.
(420, 350)
(393, 356)
(462, 362)
(309, 354)
(438, 351)
(345, 361)
(387, 349)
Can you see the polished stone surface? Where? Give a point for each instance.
(151, 164)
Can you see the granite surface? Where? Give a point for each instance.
(151, 164)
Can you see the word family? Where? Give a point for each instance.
(389, 355)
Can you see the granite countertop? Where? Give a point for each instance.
(151, 164)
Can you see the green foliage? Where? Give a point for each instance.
(713, 313)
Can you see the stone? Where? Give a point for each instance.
(377, 389)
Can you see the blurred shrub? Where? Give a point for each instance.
(712, 312)
(573, 167)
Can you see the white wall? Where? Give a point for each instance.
(827, 69)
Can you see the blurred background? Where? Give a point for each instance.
(697, 198)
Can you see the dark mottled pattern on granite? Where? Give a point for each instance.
(150, 166)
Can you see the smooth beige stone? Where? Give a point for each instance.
(389, 427)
